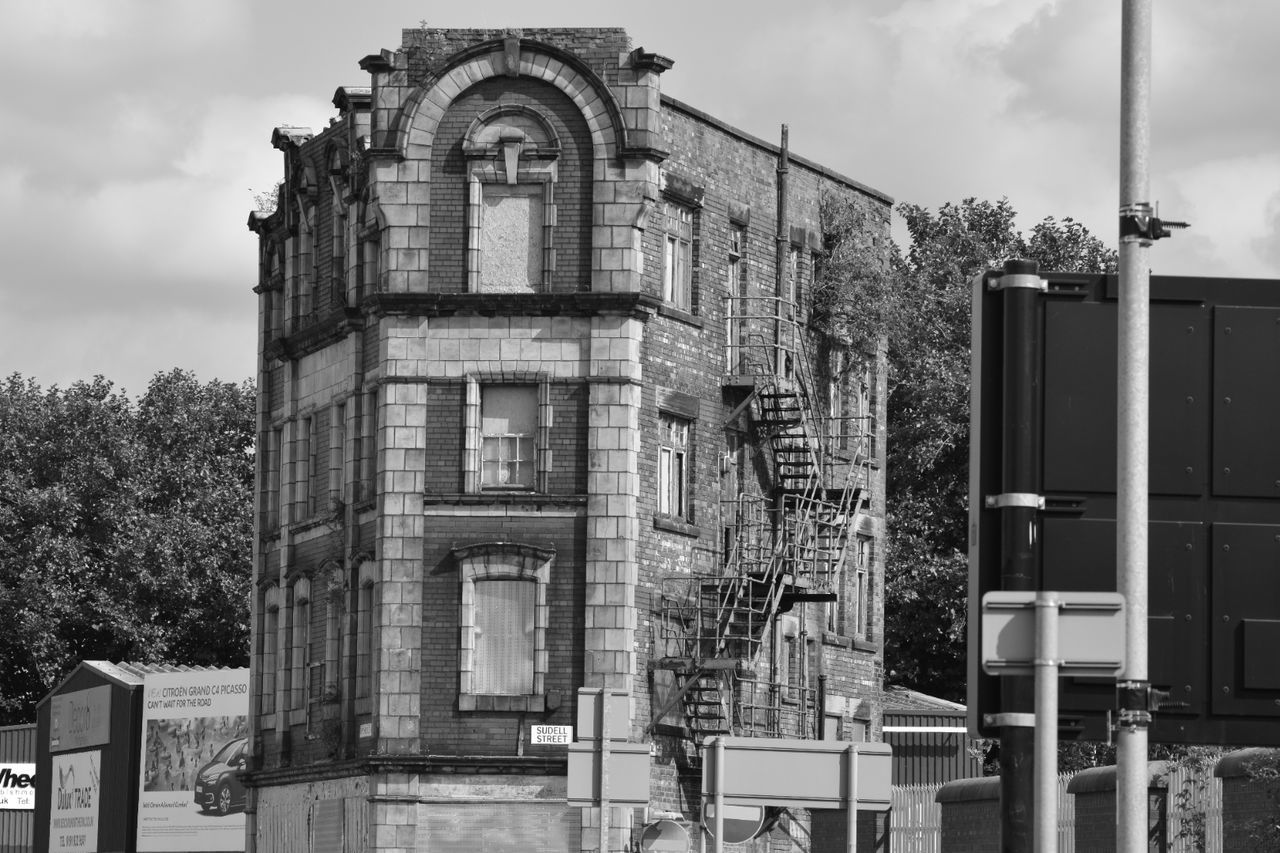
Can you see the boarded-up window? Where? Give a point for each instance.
(511, 238)
(504, 638)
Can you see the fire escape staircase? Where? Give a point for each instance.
(787, 547)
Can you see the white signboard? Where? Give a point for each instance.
(552, 735)
(17, 786)
(194, 747)
(73, 812)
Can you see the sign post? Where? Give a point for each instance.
(1047, 634)
(605, 770)
(809, 774)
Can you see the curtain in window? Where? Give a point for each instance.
(504, 613)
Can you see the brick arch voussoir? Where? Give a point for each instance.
(426, 106)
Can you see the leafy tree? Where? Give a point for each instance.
(125, 528)
(928, 429)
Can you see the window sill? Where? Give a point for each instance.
(860, 645)
(535, 704)
(667, 310)
(673, 524)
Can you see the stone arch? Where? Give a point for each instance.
(414, 135)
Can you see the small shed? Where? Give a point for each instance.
(17, 787)
(930, 740)
(87, 759)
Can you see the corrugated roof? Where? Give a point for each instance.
(898, 699)
(128, 674)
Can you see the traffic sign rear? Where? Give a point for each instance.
(1214, 506)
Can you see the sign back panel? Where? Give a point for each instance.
(1214, 606)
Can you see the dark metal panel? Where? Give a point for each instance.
(1246, 592)
(1246, 405)
(1080, 555)
(930, 757)
(1080, 412)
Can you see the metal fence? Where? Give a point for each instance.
(1194, 814)
(1195, 810)
(915, 823)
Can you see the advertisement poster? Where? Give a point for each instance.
(17, 786)
(77, 790)
(195, 728)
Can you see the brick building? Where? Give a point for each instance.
(545, 404)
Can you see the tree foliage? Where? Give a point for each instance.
(928, 431)
(125, 528)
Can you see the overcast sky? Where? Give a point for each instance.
(135, 134)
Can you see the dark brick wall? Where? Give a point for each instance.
(572, 232)
(973, 827)
(445, 437)
(430, 50)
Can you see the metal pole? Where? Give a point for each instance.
(1019, 549)
(1132, 440)
(604, 770)
(1046, 666)
(851, 831)
(782, 240)
(717, 822)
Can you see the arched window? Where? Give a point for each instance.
(301, 646)
(366, 602)
(503, 644)
(511, 154)
(267, 643)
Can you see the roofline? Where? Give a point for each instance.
(831, 174)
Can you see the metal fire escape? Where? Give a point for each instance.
(786, 545)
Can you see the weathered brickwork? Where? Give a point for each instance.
(493, 473)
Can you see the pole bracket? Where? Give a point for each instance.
(1020, 500)
(1009, 720)
(1010, 281)
(1139, 224)
(1133, 704)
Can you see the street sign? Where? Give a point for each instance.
(1090, 633)
(625, 782)
(556, 735)
(741, 823)
(1214, 502)
(809, 774)
(664, 836)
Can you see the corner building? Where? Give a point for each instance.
(546, 403)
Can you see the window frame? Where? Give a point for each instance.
(268, 652)
(675, 455)
(679, 230)
(366, 628)
(474, 440)
(502, 561)
(511, 144)
(300, 650)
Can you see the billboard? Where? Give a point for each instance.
(195, 729)
(73, 810)
(17, 786)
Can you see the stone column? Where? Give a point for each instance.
(402, 413)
